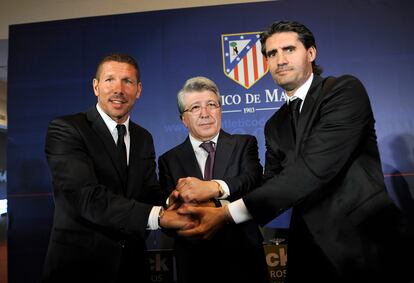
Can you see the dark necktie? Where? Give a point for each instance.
(120, 144)
(208, 169)
(294, 107)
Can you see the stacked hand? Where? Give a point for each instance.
(171, 219)
(190, 201)
(210, 220)
(193, 190)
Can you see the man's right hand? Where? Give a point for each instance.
(174, 201)
(210, 219)
(171, 219)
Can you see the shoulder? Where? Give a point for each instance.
(135, 127)
(240, 141)
(343, 82)
(346, 94)
(139, 131)
(66, 130)
(79, 119)
(238, 138)
(174, 151)
(342, 89)
(72, 120)
(348, 78)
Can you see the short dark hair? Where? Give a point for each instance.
(304, 35)
(121, 58)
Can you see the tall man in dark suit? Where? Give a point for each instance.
(326, 165)
(185, 172)
(104, 185)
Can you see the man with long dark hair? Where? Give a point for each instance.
(322, 160)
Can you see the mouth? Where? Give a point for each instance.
(282, 71)
(206, 124)
(117, 101)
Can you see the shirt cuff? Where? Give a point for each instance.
(225, 188)
(239, 212)
(224, 202)
(153, 218)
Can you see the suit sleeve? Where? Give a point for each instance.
(152, 192)
(273, 159)
(343, 124)
(166, 180)
(249, 170)
(77, 190)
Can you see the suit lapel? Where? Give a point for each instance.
(281, 129)
(188, 161)
(99, 126)
(135, 147)
(224, 150)
(306, 114)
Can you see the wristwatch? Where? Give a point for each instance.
(220, 189)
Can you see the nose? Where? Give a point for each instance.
(281, 59)
(118, 87)
(204, 112)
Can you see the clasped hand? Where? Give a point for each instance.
(193, 191)
(191, 199)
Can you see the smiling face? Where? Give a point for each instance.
(205, 124)
(290, 63)
(117, 89)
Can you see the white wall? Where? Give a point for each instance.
(28, 11)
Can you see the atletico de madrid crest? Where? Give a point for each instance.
(243, 61)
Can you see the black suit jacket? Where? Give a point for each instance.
(100, 215)
(236, 250)
(332, 177)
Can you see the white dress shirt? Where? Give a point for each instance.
(111, 124)
(201, 156)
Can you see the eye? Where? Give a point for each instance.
(109, 79)
(195, 108)
(271, 54)
(212, 105)
(290, 49)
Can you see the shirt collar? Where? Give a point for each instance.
(302, 90)
(111, 124)
(196, 143)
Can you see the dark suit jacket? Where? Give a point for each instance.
(100, 218)
(332, 178)
(237, 251)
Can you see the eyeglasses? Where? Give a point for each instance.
(196, 109)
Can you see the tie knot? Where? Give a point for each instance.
(208, 146)
(294, 105)
(121, 130)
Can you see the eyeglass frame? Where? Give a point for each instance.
(213, 104)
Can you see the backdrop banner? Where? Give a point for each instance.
(52, 64)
